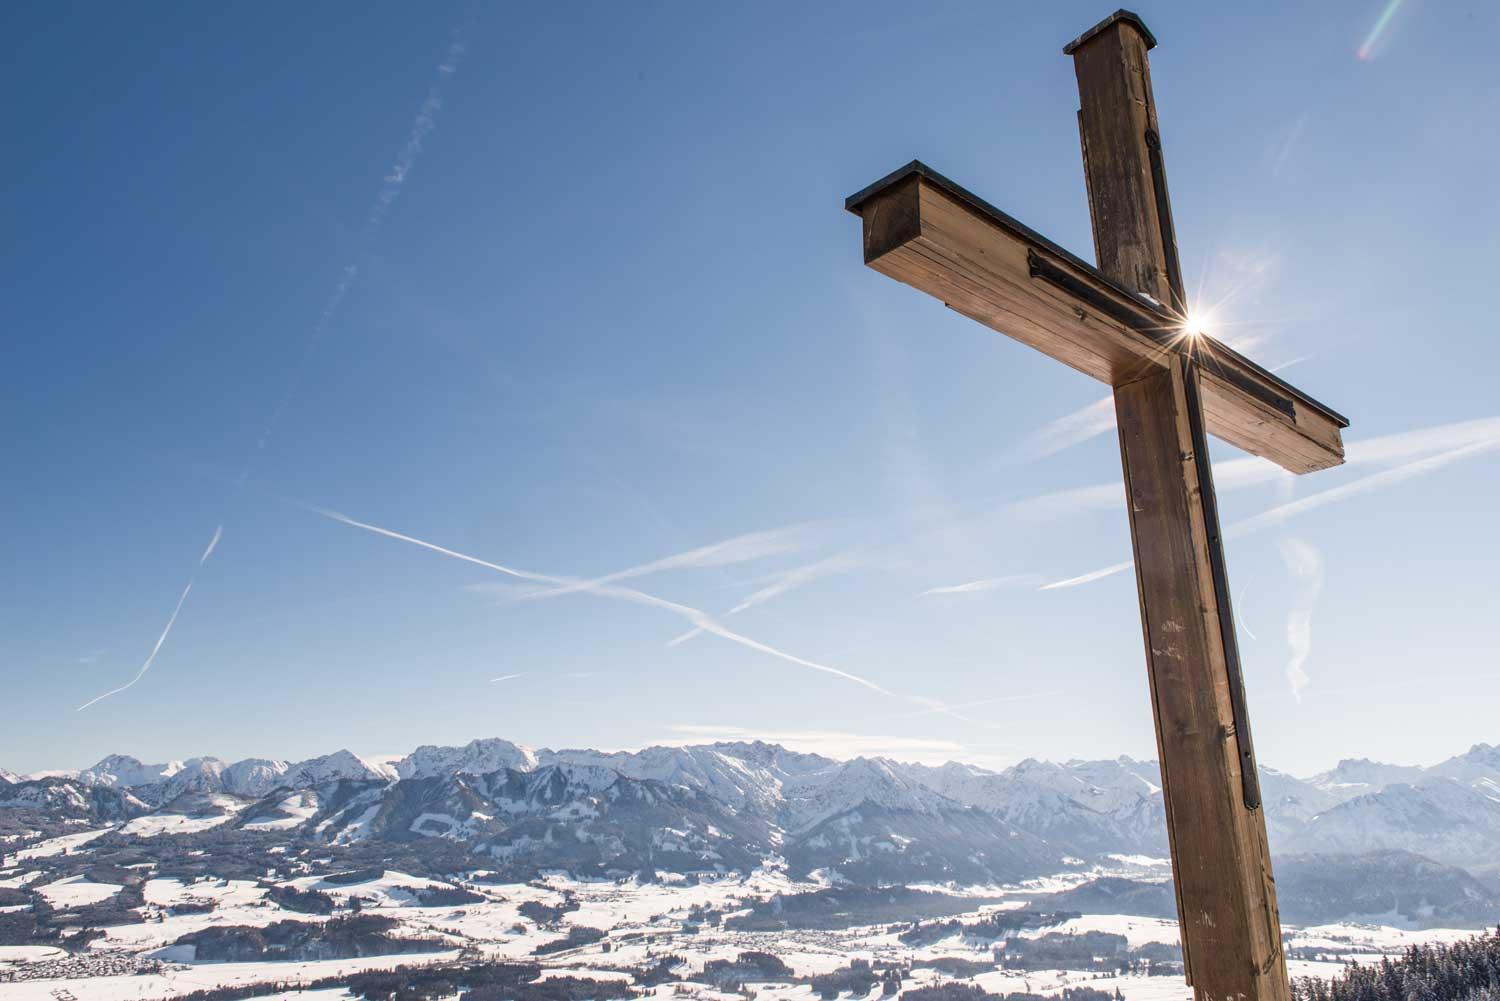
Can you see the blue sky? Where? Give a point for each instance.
(571, 290)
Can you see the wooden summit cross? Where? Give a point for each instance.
(1126, 323)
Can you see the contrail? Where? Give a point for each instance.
(1333, 495)
(694, 616)
(390, 189)
(218, 534)
(508, 677)
(346, 520)
(1251, 471)
(739, 549)
(987, 584)
(783, 583)
(1090, 577)
(385, 197)
(1364, 484)
(207, 552)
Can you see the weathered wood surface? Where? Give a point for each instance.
(1226, 894)
(922, 229)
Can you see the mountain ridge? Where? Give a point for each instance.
(868, 814)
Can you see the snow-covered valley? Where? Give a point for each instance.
(691, 870)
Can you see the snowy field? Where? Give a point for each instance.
(642, 922)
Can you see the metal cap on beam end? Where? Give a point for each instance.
(1121, 16)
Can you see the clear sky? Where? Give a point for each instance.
(571, 290)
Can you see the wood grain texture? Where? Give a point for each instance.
(1116, 113)
(921, 233)
(1226, 893)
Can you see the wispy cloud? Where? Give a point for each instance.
(1071, 429)
(167, 629)
(1305, 563)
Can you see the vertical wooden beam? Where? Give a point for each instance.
(1226, 896)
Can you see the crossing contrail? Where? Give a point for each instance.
(695, 617)
(171, 621)
(739, 549)
(794, 578)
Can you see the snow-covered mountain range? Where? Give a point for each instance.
(732, 805)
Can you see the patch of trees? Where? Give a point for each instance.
(577, 936)
(448, 896)
(26, 928)
(663, 971)
(958, 991)
(193, 907)
(702, 914)
(353, 876)
(121, 909)
(546, 914)
(747, 967)
(556, 989)
(956, 966)
(116, 874)
(1463, 971)
(45, 925)
(1093, 950)
(848, 907)
(991, 928)
(857, 978)
(302, 901)
(338, 938)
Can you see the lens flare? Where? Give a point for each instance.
(1368, 48)
(1196, 324)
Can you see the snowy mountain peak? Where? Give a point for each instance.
(1356, 776)
(477, 757)
(337, 766)
(121, 771)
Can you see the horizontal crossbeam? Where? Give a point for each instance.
(922, 229)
